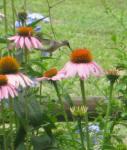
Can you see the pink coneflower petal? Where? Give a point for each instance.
(33, 40)
(81, 71)
(14, 91)
(42, 78)
(59, 76)
(21, 42)
(13, 38)
(39, 43)
(70, 69)
(26, 79)
(98, 67)
(21, 81)
(11, 92)
(17, 42)
(11, 79)
(1, 94)
(6, 94)
(28, 43)
(95, 70)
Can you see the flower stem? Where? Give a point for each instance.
(40, 90)
(5, 14)
(25, 4)
(3, 125)
(13, 14)
(11, 123)
(106, 134)
(62, 105)
(86, 117)
(81, 133)
(26, 121)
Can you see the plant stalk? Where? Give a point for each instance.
(81, 133)
(4, 126)
(11, 123)
(13, 14)
(106, 134)
(62, 105)
(5, 14)
(86, 117)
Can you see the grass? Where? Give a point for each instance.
(84, 23)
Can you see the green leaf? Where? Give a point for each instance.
(36, 115)
(1, 6)
(41, 142)
(33, 24)
(3, 40)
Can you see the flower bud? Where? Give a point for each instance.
(112, 75)
(78, 111)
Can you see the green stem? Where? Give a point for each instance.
(26, 120)
(25, 4)
(40, 91)
(62, 105)
(13, 14)
(86, 117)
(4, 128)
(81, 134)
(11, 124)
(5, 14)
(26, 58)
(106, 134)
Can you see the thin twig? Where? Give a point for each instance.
(57, 3)
(5, 14)
(49, 11)
(13, 14)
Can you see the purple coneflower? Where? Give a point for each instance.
(6, 89)
(51, 75)
(25, 38)
(10, 67)
(81, 64)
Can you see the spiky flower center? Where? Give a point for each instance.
(81, 56)
(25, 31)
(22, 16)
(3, 80)
(9, 65)
(50, 73)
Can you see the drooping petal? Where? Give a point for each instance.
(33, 40)
(28, 44)
(83, 71)
(70, 69)
(17, 42)
(0, 94)
(3, 91)
(13, 38)
(20, 81)
(39, 43)
(13, 91)
(21, 42)
(96, 69)
(10, 91)
(12, 80)
(42, 78)
(4, 88)
(26, 79)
